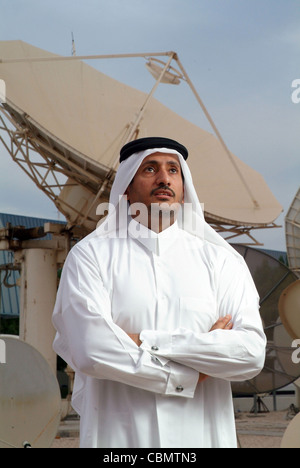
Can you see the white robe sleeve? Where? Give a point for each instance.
(237, 354)
(92, 344)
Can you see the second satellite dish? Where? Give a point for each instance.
(30, 399)
(271, 278)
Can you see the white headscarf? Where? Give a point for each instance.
(194, 221)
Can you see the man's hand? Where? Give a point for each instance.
(135, 337)
(223, 323)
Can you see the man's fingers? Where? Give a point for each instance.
(202, 377)
(229, 326)
(223, 323)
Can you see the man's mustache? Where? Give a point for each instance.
(164, 188)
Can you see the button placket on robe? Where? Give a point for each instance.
(162, 319)
(159, 279)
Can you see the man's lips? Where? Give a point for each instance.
(163, 193)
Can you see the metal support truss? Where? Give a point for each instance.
(46, 165)
(232, 232)
(35, 164)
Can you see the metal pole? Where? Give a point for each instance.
(143, 108)
(60, 58)
(38, 292)
(129, 136)
(209, 118)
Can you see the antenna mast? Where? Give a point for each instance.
(73, 46)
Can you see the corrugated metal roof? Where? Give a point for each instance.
(20, 220)
(9, 295)
(26, 221)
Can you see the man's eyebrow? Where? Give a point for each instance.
(154, 161)
(149, 162)
(173, 163)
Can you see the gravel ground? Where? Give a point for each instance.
(264, 430)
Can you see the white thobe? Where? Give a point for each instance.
(171, 288)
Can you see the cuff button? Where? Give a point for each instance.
(179, 388)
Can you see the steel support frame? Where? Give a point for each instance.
(36, 159)
(232, 232)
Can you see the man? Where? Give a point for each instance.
(156, 313)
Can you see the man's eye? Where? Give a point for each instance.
(149, 169)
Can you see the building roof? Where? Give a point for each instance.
(26, 221)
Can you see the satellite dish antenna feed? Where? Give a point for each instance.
(30, 400)
(289, 309)
(171, 76)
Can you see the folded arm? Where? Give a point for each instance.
(223, 323)
(236, 355)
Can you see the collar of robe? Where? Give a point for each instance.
(157, 243)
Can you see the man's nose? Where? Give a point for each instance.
(163, 177)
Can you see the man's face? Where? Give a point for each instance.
(158, 180)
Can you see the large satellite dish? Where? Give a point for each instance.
(271, 278)
(292, 233)
(30, 400)
(71, 121)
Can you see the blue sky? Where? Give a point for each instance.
(242, 56)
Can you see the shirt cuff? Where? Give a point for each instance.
(182, 380)
(156, 343)
(156, 340)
